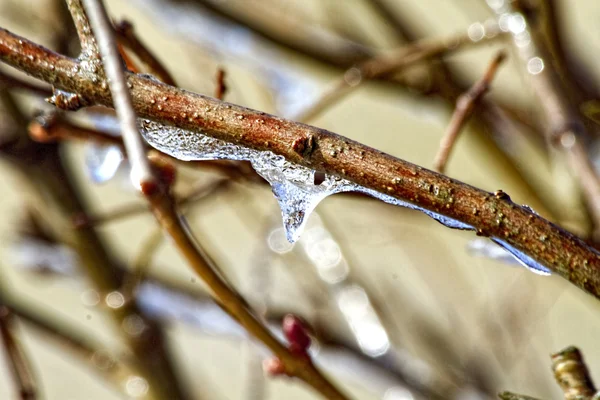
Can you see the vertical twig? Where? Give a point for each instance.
(113, 68)
(221, 87)
(464, 108)
(19, 366)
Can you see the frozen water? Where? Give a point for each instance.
(293, 185)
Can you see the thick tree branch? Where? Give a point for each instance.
(494, 216)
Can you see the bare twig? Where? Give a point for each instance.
(221, 88)
(127, 37)
(19, 365)
(321, 150)
(89, 48)
(464, 108)
(113, 67)
(383, 65)
(514, 396)
(572, 374)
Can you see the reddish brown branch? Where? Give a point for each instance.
(493, 216)
(572, 374)
(465, 105)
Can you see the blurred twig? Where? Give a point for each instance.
(572, 374)
(383, 65)
(19, 366)
(465, 105)
(514, 396)
(127, 37)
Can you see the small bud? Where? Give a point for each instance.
(296, 334)
(273, 366)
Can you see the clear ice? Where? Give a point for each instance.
(293, 185)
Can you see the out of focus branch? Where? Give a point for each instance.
(19, 366)
(514, 396)
(385, 65)
(465, 105)
(572, 375)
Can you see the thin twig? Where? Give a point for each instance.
(126, 35)
(89, 48)
(318, 149)
(11, 82)
(195, 194)
(464, 108)
(221, 88)
(514, 396)
(113, 68)
(383, 65)
(20, 367)
(572, 374)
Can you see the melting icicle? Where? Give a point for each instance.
(293, 185)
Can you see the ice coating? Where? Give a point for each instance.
(293, 185)
(523, 259)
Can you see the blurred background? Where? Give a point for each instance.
(400, 307)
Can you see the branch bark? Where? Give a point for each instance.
(572, 374)
(489, 215)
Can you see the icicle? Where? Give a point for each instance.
(293, 185)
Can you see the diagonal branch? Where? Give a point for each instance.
(495, 216)
(19, 366)
(464, 108)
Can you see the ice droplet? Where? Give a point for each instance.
(293, 185)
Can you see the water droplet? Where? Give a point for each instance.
(476, 31)
(353, 76)
(115, 299)
(136, 386)
(535, 65)
(90, 298)
(134, 325)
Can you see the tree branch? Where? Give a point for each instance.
(494, 216)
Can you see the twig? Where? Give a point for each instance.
(514, 396)
(113, 67)
(197, 193)
(318, 149)
(572, 374)
(114, 369)
(11, 82)
(164, 210)
(89, 48)
(221, 88)
(464, 108)
(127, 37)
(20, 367)
(564, 125)
(383, 65)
